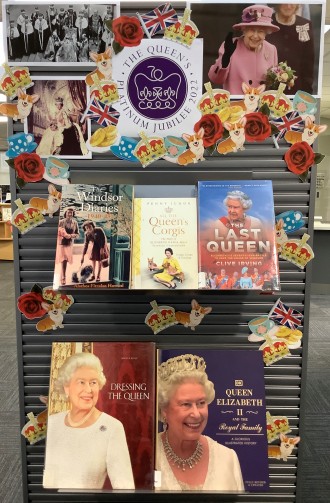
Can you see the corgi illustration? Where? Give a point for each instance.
(151, 264)
(54, 319)
(236, 137)
(309, 134)
(195, 316)
(20, 110)
(251, 97)
(284, 450)
(281, 235)
(171, 270)
(195, 152)
(50, 205)
(104, 66)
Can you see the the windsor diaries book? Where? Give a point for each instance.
(100, 432)
(216, 398)
(165, 243)
(236, 236)
(94, 237)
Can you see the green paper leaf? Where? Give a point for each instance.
(274, 129)
(108, 24)
(318, 158)
(225, 134)
(20, 182)
(264, 110)
(10, 163)
(36, 288)
(304, 176)
(211, 149)
(117, 47)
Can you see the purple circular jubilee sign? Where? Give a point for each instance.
(157, 88)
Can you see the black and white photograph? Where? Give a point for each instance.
(56, 33)
(247, 42)
(55, 118)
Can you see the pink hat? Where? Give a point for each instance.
(257, 15)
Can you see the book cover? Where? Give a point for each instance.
(232, 417)
(236, 236)
(100, 432)
(94, 237)
(165, 243)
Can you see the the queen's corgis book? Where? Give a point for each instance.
(236, 236)
(94, 237)
(214, 399)
(165, 243)
(101, 416)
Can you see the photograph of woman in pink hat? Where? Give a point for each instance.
(248, 57)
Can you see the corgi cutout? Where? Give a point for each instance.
(195, 316)
(281, 235)
(104, 67)
(50, 205)
(195, 152)
(54, 319)
(236, 138)
(251, 97)
(21, 110)
(309, 134)
(284, 450)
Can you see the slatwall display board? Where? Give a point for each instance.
(119, 315)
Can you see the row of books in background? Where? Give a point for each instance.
(119, 442)
(222, 239)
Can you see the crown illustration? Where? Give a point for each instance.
(25, 217)
(297, 251)
(36, 428)
(184, 31)
(275, 426)
(272, 352)
(160, 317)
(156, 92)
(277, 102)
(105, 91)
(213, 100)
(149, 150)
(182, 363)
(53, 296)
(14, 78)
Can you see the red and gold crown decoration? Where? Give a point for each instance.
(104, 90)
(149, 149)
(275, 426)
(14, 78)
(213, 100)
(297, 251)
(278, 104)
(54, 296)
(160, 317)
(25, 218)
(184, 31)
(36, 428)
(273, 351)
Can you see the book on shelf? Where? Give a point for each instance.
(94, 237)
(224, 410)
(236, 236)
(165, 243)
(100, 430)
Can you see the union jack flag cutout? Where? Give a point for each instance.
(284, 315)
(158, 19)
(101, 113)
(289, 122)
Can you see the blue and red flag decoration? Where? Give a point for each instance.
(101, 113)
(289, 122)
(284, 315)
(158, 19)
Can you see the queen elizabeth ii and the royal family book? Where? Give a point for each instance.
(123, 415)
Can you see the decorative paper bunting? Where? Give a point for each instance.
(285, 315)
(158, 19)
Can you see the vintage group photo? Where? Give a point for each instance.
(243, 41)
(55, 119)
(56, 32)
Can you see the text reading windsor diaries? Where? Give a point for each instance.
(236, 235)
(94, 237)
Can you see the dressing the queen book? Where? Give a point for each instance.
(94, 237)
(236, 236)
(165, 243)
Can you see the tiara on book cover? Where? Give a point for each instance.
(182, 363)
(184, 31)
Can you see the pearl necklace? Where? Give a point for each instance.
(75, 424)
(182, 462)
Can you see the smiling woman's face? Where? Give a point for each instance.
(253, 37)
(187, 412)
(83, 388)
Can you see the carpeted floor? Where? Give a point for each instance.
(316, 444)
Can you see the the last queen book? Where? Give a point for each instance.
(94, 237)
